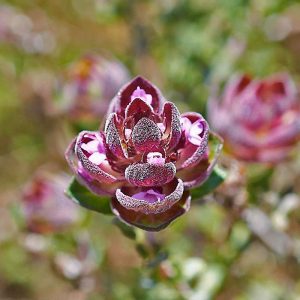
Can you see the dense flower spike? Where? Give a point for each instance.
(146, 157)
(259, 119)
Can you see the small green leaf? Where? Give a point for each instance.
(215, 179)
(142, 250)
(127, 230)
(82, 196)
(17, 214)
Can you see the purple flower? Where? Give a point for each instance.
(146, 158)
(258, 119)
(89, 85)
(45, 207)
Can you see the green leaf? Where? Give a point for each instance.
(82, 196)
(127, 230)
(142, 250)
(215, 179)
(17, 214)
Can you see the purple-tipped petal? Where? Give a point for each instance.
(127, 93)
(235, 86)
(112, 135)
(197, 175)
(150, 196)
(141, 94)
(275, 89)
(147, 174)
(196, 141)
(98, 188)
(146, 135)
(196, 131)
(138, 109)
(149, 207)
(152, 222)
(93, 157)
(97, 179)
(287, 132)
(94, 170)
(172, 131)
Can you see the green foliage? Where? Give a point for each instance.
(82, 196)
(127, 230)
(216, 178)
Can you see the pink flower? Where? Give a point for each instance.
(258, 119)
(146, 158)
(45, 207)
(89, 86)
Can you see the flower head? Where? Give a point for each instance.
(146, 157)
(89, 85)
(258, 119)
(45, 207)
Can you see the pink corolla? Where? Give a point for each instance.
(146, 158)
(89, 85)
(45, 206)
(258, 119)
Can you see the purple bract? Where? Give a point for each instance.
(146, 158)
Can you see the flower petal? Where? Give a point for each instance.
(236, 85)
(152, 222)
(101, 172)
(198, 174)
(272, 155)
(190, 154)
(287, 131)
(147, 174)
(97, 158)
(120, 102)
(172, 131)
(157, 207)
(146, 135)
(88, 179)
(113, 139)
(138, 109)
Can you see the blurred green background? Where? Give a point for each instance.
(185, 48)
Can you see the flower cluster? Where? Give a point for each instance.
(89, 85)
(147, 157)
(45, 207)
(258, 119)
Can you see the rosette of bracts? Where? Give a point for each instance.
(146, 158)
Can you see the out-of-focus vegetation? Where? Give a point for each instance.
(241, 242)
